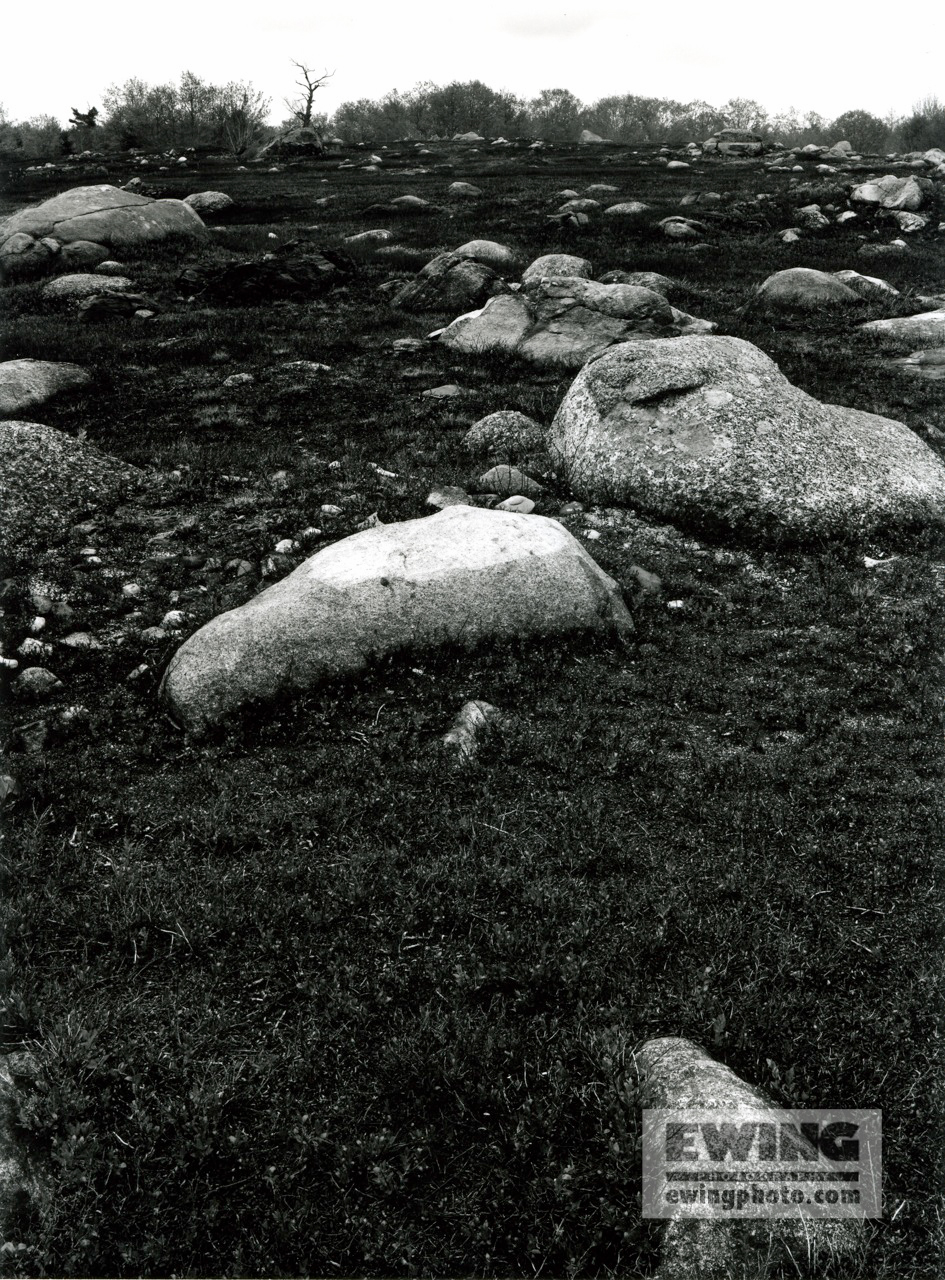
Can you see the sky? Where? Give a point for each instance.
(812, 55)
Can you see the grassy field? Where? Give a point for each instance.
(305, 999)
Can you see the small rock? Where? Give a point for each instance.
(448, 390)
(508, 480)
(172, 619)
(81, 640)
(329, 509)
(154, 635)
(517, 502)
(36, 681)
(9, 788)
(238, 380)
(37, 625)
(447, 495)
(33, 648)
(132, 590)
(473, 721)
(285, 546)
(138, 672)
(373, 521)
(650, 584)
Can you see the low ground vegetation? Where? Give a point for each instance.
(302, 997)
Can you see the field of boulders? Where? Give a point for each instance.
(471, 648)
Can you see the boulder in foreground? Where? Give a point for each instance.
(462, 576)
(676, 1077)
(708, 431)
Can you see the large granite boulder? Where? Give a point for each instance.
(97, 218)
(708, 431)
(48, 480)
(24, 384)
(562, 321)
(462, 576)
(104, 215)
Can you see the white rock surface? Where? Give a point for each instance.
(464, 575)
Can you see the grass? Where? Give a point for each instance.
(303, 998)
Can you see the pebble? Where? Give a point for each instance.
(285, 546)
(173, 618)
(329, 509)
(154, 635)
(138, 672)
(9, 787)
(572, 509)
(238, 380)
(37, 625)
(445, 392)
(131, 590)
(591, 534)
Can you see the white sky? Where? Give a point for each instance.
(817, 55)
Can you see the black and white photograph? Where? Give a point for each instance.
(472, 641)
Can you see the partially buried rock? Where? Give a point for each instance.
(708, 430)
(925, 364)
(675, 1080)
(81, 285)
(507, 432)
(24, 384)
(473, 723)
(909, 331)
(507, 480)
(464, 575)
(804, 289)
(48, 480)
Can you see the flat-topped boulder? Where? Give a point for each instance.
(926, 329)
(708, 431)
(105, 215)
(463, 576)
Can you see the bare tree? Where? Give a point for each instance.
(301, 107)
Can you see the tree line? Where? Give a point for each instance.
(233, 119)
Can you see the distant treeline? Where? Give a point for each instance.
(233, 118)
